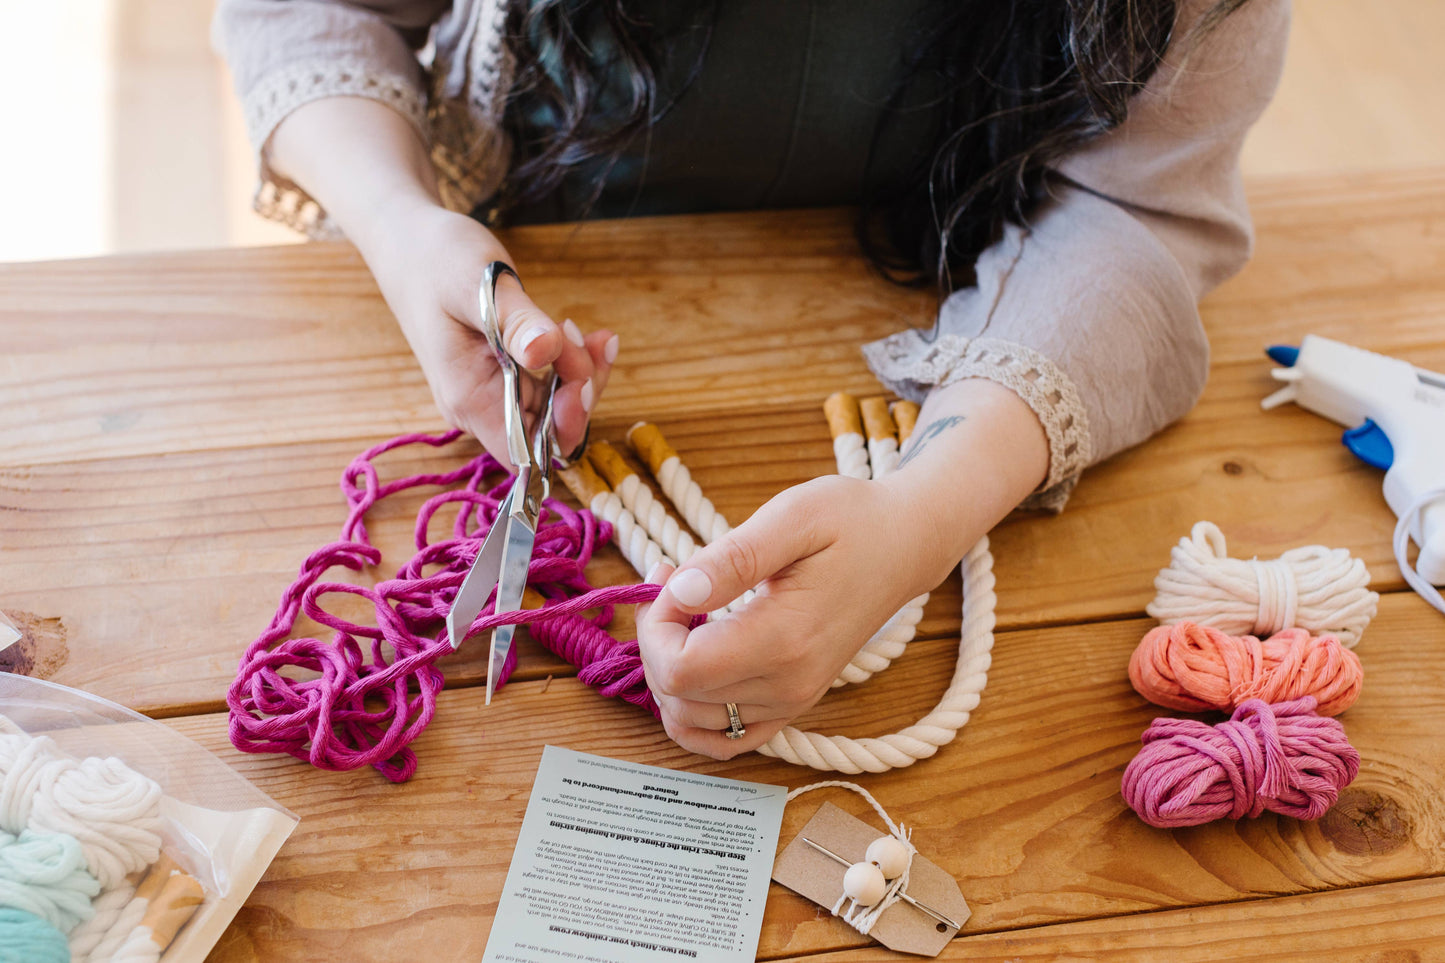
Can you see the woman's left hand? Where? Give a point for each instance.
(832, 560)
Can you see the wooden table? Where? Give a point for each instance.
(173, 431)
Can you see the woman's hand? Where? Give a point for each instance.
(832, 559)
(367, 166)
(429, 268)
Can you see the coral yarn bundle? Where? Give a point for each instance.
(1195, 668)
(1281, 758)
(360, 699)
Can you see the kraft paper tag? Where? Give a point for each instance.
(809, 873)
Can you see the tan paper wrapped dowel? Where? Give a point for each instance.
(646, 439)
(845, 424)
(589, 488)
(608, 463)
(877, 422)
(156, 877)
(583, 481)
(171, 910)
(841, 410)
(637, 496)
(905, 416)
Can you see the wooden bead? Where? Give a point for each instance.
(889, 854)
(864, 884)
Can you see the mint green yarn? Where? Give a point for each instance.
(45, 875)
(26, 938)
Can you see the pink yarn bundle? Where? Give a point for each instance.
(365, 706)
(1281, 758)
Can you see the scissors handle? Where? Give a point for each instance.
(517, 448)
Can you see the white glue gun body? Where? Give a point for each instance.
(1395, 414)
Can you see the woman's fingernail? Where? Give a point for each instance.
(609, 351)
(651, 575)
(587, 395)
(528, 336)
(573, 333)
(691, 587)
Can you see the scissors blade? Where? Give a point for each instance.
(511, 582)
(485, 571)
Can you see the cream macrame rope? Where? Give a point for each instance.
(641, 552)
(661, 527)
(851, 456)
(1322, 590)
(696, 509)
(108, 907)
(923, 738)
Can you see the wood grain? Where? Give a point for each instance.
(1023, 807)
(160, 571)
(1387, 923)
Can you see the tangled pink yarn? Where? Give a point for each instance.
(369, 700)
(1281, 757)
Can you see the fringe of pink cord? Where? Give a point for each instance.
(1195, 668)
(1281, 758)
(366, 705)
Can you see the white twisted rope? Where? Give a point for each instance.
(691, 503)
(108, 907)
(110, 808)
(120, 930)
(883, 455)
(851, 456)
(1319, 589)
(641, 552)
(637, 498)
(922, 739)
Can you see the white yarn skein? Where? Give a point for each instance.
(1319, 589)
(941, 725)
(641, 552)
(108, 906)
(110, 808)
(851, 456)
(113, 810)
(637, 497)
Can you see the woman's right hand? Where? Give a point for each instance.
(428, 262)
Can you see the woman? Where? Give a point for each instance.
(1065, 171)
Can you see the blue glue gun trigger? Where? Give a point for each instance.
(1371, 445)
(1284, 355)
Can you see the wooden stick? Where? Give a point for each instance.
(905, 415)
(173, 908)
(845, 424)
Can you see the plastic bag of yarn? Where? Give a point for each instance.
(119, 837)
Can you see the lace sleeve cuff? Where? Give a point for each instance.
(279, 93)
(911, 367)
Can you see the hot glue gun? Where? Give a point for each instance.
(1394, 414)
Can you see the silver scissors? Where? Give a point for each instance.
(507, 551)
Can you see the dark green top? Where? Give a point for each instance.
(781, 114)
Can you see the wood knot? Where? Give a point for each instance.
(1366, 823)
(41, 649)
(1233, 468)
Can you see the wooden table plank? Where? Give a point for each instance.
(157, 354)
(1369, 924)
(1024, 806)
(154, 573)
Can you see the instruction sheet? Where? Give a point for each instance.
(619, 863)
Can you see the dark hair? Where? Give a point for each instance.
(1012, 87)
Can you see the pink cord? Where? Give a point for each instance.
(326, 720)
(1283, 758)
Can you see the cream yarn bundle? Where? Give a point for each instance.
(1323, 590)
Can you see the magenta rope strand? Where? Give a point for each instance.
(375, 686)
(1281, 758)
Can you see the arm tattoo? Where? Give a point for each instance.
(930, 432)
